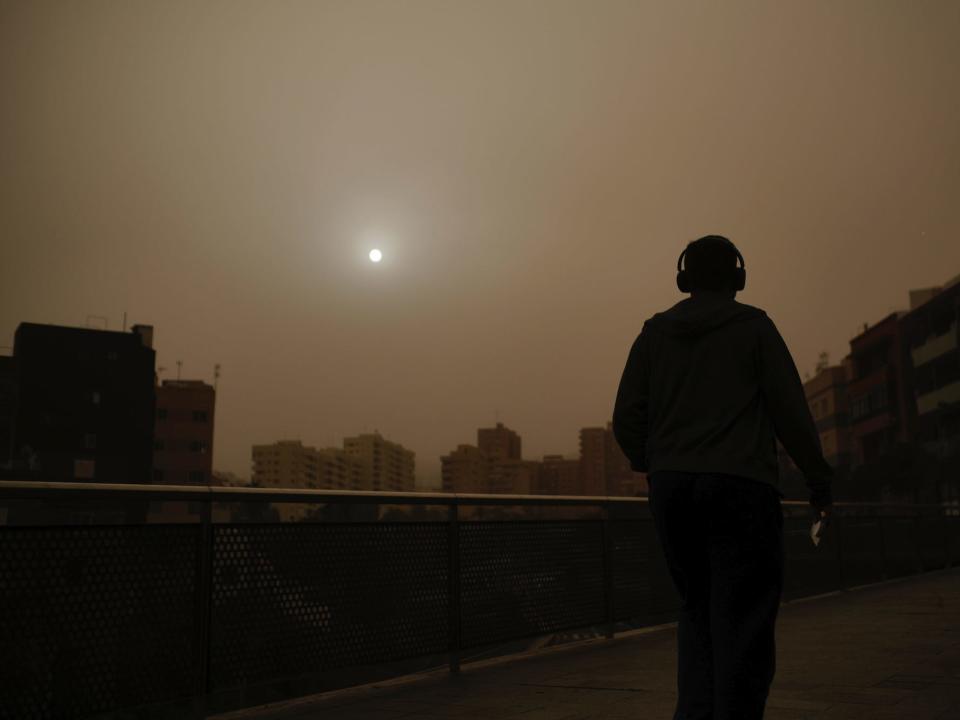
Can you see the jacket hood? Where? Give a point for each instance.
(693, 317)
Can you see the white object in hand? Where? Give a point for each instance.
(815, 531)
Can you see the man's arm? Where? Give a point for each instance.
(630, 412)
(784, 397)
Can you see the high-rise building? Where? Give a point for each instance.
(387, 466)
(494, 465)
(604, 469)
(291, 464)
(877, 390)
(85, 404)
(338, 470)
(8, 411)
(513, 476)
(465, 470)
(499, 443)
(931, 331)
(285, 464)
(826, 394)
(559, 476)
(183, 433)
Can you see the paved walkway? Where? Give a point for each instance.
(886, 651)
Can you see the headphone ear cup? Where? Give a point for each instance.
(740, 278)
(682, 283)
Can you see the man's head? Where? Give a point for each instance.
(710, 266)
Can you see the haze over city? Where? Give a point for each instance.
(530, 172)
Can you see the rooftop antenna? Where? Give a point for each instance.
(106, 323)
(216, 376)
(823, 362)
(179, 365)
(124, 320)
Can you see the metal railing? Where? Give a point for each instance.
(169, 600)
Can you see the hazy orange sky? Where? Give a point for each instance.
(531, 170)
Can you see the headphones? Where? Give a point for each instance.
(739, 276)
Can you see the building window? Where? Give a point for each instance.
(90, 441)
(196, 446)
(197, 476)
(158, 444)
(200, 415)
(161, 413)
(157, 475)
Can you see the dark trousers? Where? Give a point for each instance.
(722, 536)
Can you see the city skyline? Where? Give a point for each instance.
(530, 178)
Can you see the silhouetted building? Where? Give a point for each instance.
(499, 443)
(8, 411)
(513, 476)
(558, 475)
(878, 391)
(386, 466)
(465, 470)
(827, 397)
(494, 465)
(225, 478)
(931, 335)
(291, 464)
(604, 469)
(183, 433)
(85, 404)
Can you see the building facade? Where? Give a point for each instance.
(558, 475)
(604, 469)
(183, 433)
(386, 466)
(932, 339)
(878, 391)
(85, 404)
(465, 470)
(499, 443)
(829, 405)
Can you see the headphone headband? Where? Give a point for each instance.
(712, 237)
(739, 276)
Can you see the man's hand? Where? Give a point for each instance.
(823, 513)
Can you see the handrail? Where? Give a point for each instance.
(28, 488)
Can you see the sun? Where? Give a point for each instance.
(375, 255)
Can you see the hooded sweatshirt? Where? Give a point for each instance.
(708, 387)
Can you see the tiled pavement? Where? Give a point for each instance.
(886, 651)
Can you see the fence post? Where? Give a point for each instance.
(945, 527)
(918, 561)
(838, 534)
(204, 599)
(453, 585)
(883, 547)
(607, 560)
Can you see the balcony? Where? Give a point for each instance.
(223, 607)
(935, 347)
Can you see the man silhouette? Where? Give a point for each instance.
(708, 386)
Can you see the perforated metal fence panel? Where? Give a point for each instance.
(808, 570)
(296, 598)
(96, 618)
(900, 545)
(526, 578)
(932, 542)
(862, 554)
(642, 588)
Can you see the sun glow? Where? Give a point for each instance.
(375, 255)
